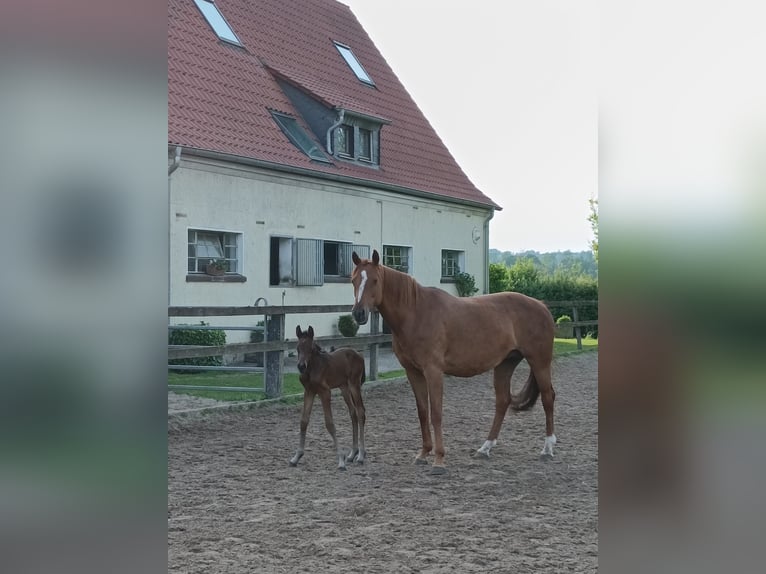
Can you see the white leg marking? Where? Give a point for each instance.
(548, 447)
(486, 447)
(361, 287)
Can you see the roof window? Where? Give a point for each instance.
(299, 137)
(217, 21)
(354, 64)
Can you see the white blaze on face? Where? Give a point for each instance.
(361, 287)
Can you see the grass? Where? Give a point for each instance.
(292, 386)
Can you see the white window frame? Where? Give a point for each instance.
(217, 22)
(237, 260)
(407, 255)
(353, 62)
(459, 265)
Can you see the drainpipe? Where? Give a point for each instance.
(171, 168)
(341, 113)
(486, 251)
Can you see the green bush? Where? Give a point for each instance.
(204, 337)
(563, 319)
(347, 326)
(465, 284)
(498, 278)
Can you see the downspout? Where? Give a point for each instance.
(171, 168)
(332, 128)
(486, 251)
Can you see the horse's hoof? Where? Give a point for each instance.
(481, 454)
(341, 468)
(293, 463)
(438, 470)
(421, 461)
(545, 457)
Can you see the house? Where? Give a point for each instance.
(291, 143)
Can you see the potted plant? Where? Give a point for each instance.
(216, 267)
(564, 328)
(347, 326)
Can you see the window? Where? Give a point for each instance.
(217, 21)
(358, 140)
(345, 140)
(299, 138)
(365, 144)
(452, 262)
(397, 257)
(354, 64)
(205, 246)
(306, 262)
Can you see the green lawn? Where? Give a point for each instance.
(291, 385)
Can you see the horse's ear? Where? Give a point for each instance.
(298, 331)
(311, 331)
(375, 256)
(355, 258)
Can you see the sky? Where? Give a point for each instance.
(510, 87)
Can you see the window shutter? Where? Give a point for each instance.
(309, 262)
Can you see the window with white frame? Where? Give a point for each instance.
(353, 62)
(397, 257)
(306, 262)
(206, 246)
(358, 140)
(217, 22)
(452, 263)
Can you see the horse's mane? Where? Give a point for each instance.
(401, 288)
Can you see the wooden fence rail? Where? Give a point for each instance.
(275, 343)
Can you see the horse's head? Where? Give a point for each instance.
(367, 279)
(305, 346)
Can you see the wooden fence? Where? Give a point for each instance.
(275, 345)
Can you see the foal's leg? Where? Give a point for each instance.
(502, 381)
(308, 402)
(354, 422)
(548, 396)
(327, 407)
(356, 395)
(420, 389)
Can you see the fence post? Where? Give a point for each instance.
(578, 330)
(275, 331)
(374, 330)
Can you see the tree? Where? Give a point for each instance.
(593, 218)
(498, 277)
(524, 277)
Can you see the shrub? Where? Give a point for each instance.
(204, 337)
(465, 284)
(347, 326)
(563, 319)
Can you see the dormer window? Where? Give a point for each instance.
(354, 64)
(217, 22)
(358, 141)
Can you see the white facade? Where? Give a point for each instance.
(256, 205)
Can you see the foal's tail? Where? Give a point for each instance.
(527, 398)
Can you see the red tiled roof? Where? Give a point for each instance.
(219, 95)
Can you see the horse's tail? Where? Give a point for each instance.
(527, 398)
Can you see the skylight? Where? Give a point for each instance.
(298, 137)
(217, 21)
(354, 64)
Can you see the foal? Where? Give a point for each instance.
(320, 372)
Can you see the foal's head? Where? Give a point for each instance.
(305, 347)
(367, 279)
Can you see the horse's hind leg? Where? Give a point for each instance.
(502, 381)
(327, 408)
(548, 396)
(308, 402)
(345, 392)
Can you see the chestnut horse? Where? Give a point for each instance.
(320, 372)
(435, 333)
